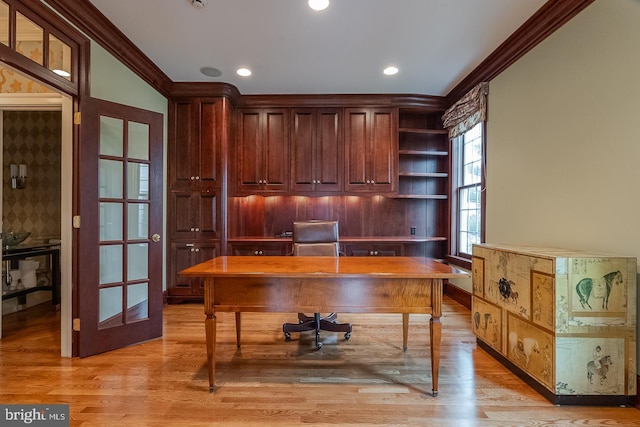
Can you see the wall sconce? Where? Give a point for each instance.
(18, 176)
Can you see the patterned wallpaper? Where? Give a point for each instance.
(13, 82)
(32, 138)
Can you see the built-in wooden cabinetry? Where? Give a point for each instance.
(316, 149)
(423, 151)
(371, 147)
(262, 150)
(198, 129)
(243, 169)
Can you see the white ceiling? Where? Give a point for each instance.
(343, 49)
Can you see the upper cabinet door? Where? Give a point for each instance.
(371, 150)
(195, 151)
(262, 151)
(316, 150)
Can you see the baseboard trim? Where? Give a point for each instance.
(459, 295)
(636, 398)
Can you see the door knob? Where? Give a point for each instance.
(155, 237)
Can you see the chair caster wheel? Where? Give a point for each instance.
(318, 345)
(347, 336)
(287, 336)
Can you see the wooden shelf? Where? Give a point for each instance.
(422, 196)
(423, 153)
(424, 131)
(424, 174)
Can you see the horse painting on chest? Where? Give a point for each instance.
(599, 288)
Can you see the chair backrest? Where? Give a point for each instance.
(315, 238)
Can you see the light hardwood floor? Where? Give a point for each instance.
(367, 381)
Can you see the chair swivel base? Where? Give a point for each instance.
(317, 323)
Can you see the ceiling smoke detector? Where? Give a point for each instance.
(199, 3)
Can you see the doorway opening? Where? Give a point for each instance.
(27, 111)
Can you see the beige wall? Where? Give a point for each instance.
(563, 138)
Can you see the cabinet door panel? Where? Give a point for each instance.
(383, 149)
(329, 164)
(276, 149)
(209, 216)
(180, 170)
(249, 149)
(183, 257)
(303, 135)
(210, 136)
(357, 145)
(182, 216)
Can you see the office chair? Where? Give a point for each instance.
(316, 238)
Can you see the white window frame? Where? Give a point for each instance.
(464, 233)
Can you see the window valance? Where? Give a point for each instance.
(470, 110)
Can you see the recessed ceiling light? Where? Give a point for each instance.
(318, 5)
(390, 71)
(244, 72)
(210, 71)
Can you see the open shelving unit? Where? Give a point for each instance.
(424, 172)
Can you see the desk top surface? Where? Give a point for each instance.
(305, 266)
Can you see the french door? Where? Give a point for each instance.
(118, 258)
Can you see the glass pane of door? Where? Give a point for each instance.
(124, 222)
(138, 141)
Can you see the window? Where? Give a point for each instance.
(467, 203)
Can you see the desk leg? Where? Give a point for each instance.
(405, 330)
(435, 331)
(210, 330)
(238, 327)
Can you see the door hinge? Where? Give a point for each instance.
(76, 324)
(76, 221)
(77, 118)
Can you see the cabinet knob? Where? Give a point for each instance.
(197, 229)
(193, 178)
(197, 249)
(193, 229)
(197, 178)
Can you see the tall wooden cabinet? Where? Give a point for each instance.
(196, 180)
(563, 320)
(371, 144)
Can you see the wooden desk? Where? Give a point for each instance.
(323, 284)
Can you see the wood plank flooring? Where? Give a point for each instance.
(367, 381)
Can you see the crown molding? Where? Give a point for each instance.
(551, 16)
